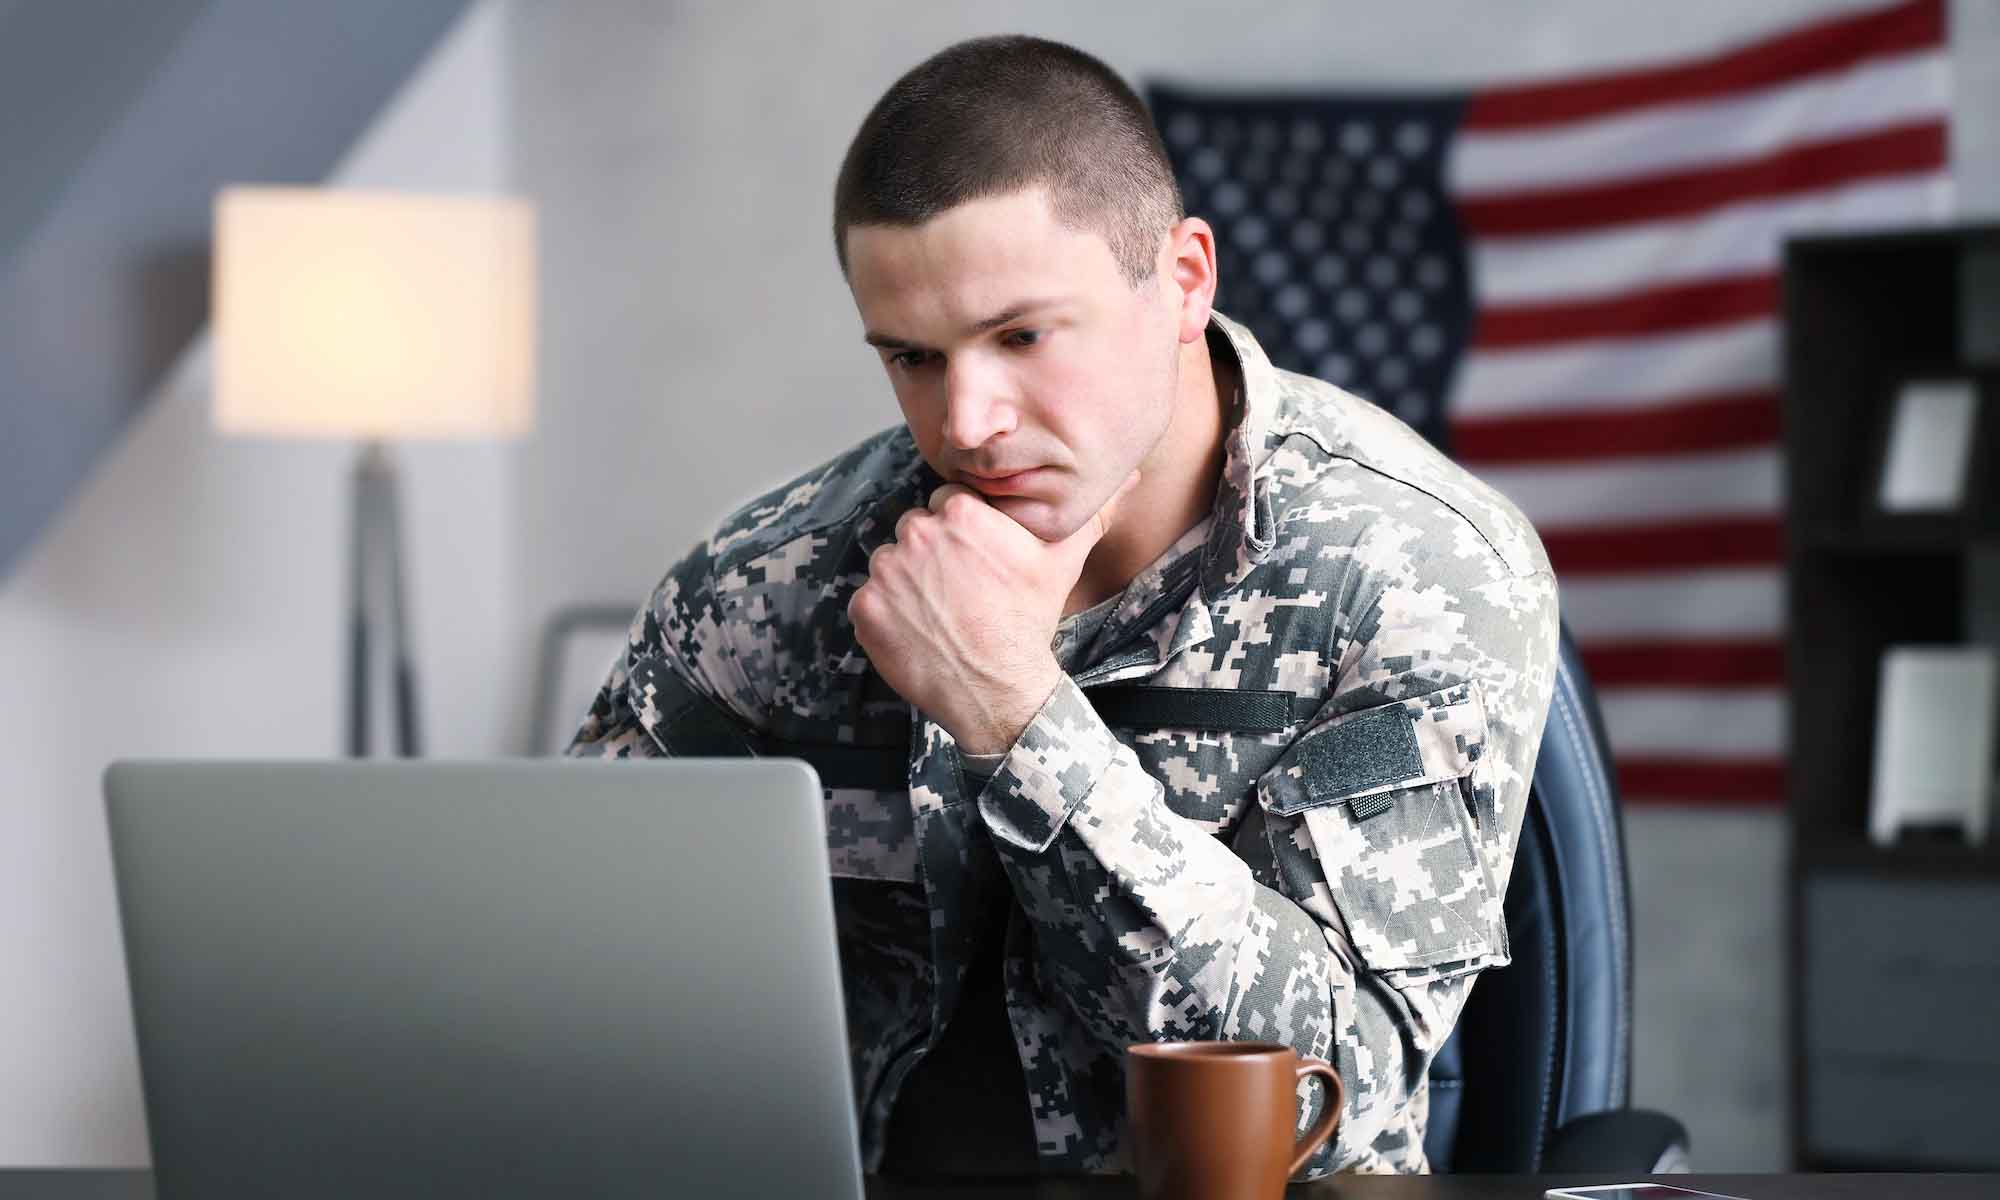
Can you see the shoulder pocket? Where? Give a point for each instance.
(684, 723)
(1384, 795)
(869, 827)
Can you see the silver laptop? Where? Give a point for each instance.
(492, 979)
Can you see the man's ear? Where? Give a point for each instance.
(1190, 266)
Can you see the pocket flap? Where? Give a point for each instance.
(1382, 795)
(684, 723)
(866, 788)
(1359, 758)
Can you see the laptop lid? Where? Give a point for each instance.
(437, 979)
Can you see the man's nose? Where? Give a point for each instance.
(977, 407)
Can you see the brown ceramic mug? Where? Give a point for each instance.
(1214, 1120)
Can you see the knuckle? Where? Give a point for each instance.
(861, 605)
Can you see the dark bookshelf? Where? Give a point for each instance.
(1876, 930)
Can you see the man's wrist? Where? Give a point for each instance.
(1008, 719)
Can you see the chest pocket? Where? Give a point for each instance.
(1206, 746)
(1385, 795)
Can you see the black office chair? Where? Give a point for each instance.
(1537, 1075)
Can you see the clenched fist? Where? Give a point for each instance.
(959, 609)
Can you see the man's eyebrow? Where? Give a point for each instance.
(1006, 316)
(1012, 313)
(883, 341)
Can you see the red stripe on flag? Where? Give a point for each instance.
(1649, 310)
(1706, 782)
(1724, 421)
(1751, 541)
(1682, 663)
(1900, 150)
(1829, 46)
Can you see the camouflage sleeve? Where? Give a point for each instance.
(679, 688)
(1353, 905)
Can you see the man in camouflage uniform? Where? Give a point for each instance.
(1158, 693)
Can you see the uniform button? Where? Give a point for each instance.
(1055, 644)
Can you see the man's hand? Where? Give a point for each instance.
(959, 609)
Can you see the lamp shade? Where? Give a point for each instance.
(373, 314)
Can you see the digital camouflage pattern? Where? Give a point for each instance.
(1334, 884)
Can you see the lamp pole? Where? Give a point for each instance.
(377, 547)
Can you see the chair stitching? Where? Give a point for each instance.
(1600, 791)
(1582, 753)
(1554, 1017)
(1621, 933)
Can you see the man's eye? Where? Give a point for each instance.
(1023, 337)
(910, 360)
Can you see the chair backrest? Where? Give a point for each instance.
(1548, 1038)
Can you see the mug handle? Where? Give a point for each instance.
(1329, 1116)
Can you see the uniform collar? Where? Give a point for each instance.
(1244, 525)
(1221, 550)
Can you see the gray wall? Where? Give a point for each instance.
(188, 601)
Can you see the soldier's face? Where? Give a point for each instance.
(1027, 367)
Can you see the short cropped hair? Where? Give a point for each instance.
(995, 115)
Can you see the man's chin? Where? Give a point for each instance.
(1039, 517)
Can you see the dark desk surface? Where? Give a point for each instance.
(138, 1185)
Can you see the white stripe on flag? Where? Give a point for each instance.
(1733, 602)
(1695, 723)
(1580, 495)
(1741, 239)
(1871, 97)
(1619, 373)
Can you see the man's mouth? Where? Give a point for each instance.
(1000, 482)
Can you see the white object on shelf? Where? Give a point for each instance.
(1930, 446)
(1934, 735)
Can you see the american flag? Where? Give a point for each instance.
(1573, 287)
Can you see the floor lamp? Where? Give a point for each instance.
(380, 317)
